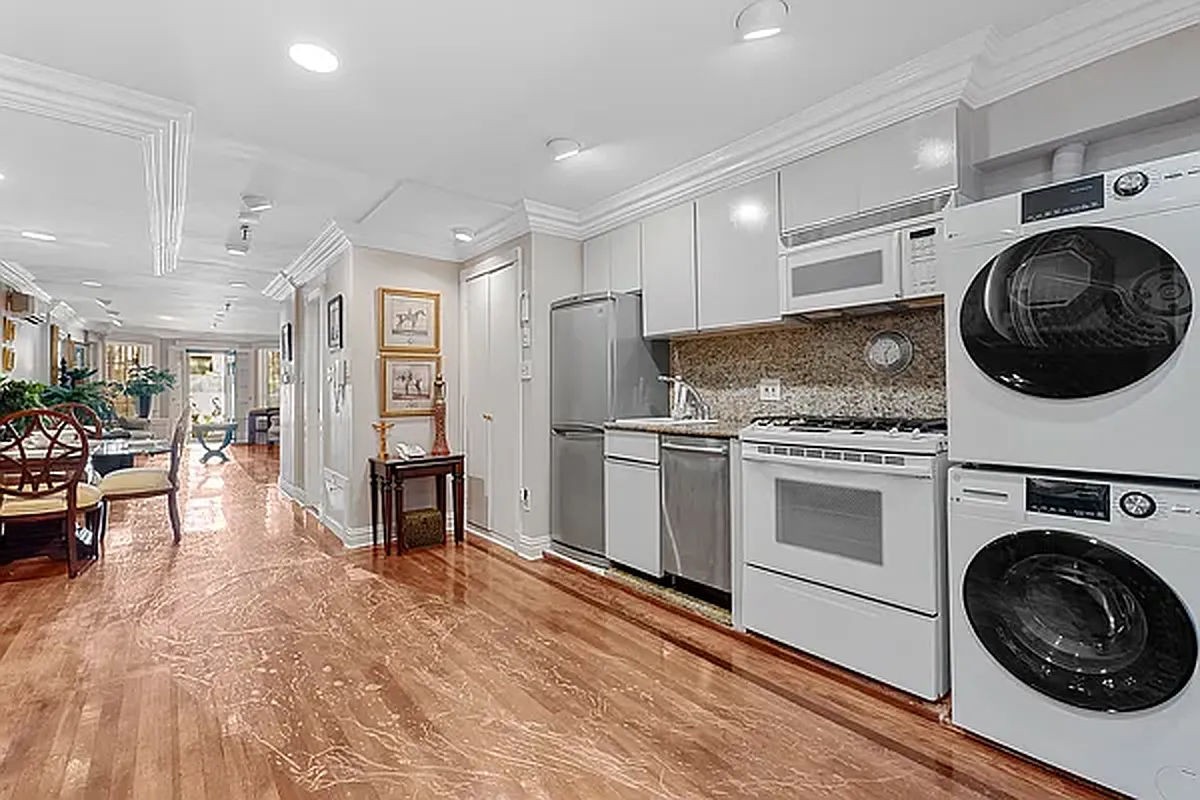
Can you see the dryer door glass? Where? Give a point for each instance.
(1076, 312)
(1080, 621)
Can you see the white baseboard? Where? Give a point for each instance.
(354, 538)
(531, 548)
(292, 492)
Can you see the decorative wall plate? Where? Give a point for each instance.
(889, 352)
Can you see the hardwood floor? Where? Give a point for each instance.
(258, 659)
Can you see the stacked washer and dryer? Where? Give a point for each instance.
(1074, 530)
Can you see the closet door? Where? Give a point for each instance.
(477, 371)
(502, 402)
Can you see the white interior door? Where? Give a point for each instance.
(492, 405)
(503, 413)
(478, 385)
(311, 377)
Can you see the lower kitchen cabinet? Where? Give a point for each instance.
(631, 514)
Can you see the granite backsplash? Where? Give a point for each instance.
(822, 367)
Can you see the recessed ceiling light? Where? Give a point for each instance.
(1, 176)
(762, 19)
(562, 149)
(313, 57)
(39, 236)
(116, 322)
(256, 203)
(237, 248)
(92, 284)
(166, 317)
(463, 235)
(100, 301)
(112, 313)
(238, 284)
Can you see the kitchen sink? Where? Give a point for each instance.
(665, 421)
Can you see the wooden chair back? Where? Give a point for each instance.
(177, 437)
(41, 452)
(86, 416)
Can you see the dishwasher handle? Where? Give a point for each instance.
(693, 448)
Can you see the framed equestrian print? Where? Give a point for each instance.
(406, 385)
(410, 321)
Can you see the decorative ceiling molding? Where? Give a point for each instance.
(21, 279)
(330, 243)
(439, 248)
(66, 316)
(162, 127)
(1074, 39)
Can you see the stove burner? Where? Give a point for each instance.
(853, 424)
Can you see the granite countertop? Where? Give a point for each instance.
(714, 430)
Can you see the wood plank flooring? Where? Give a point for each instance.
(260, 660)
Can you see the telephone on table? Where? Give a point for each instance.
(409, 451)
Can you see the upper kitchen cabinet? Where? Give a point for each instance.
(737, 255)
(612, 262)
(669, 271)
(918, 157)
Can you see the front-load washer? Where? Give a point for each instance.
(1073, 633)
(1071, 338)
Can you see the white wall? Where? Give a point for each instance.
(291, 445)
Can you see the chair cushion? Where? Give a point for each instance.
(87, 497)
(135, 480)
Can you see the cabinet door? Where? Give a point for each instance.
(737, 253)
(597, 264)
(631, 514)
(627, 258)
(669, 271)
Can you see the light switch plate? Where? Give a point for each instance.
(770, 390)
(526, 370)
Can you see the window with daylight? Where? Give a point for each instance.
(268, 370)
(118, 358)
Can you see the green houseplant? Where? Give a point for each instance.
(144, 383)
(77, 386)
(17, 395)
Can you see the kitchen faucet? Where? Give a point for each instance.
(686, 398)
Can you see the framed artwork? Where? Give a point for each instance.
(54, 351)
(10, 359)
(285, 342)
(334, 313)
(10, 330)
(406, 385)
(410, 321)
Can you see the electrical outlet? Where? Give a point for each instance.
(770, 390)
(526, 370)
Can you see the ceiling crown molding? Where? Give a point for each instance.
(163, 128)
(330, 243)
(19, 278)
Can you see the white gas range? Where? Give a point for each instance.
(844, 525)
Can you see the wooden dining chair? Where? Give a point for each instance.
(85, 415)
(141, 482)
(43, 456)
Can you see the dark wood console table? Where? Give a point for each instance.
(387, 494)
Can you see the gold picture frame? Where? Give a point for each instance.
(409, 321)
(9, 359)
(406, 384)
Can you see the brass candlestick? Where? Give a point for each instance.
(382, 429)
(441, 447)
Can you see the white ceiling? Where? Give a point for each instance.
(437, 117)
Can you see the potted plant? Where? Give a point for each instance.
(146, 382)
(16, 395)
(77, 386)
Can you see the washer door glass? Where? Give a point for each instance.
(1076, 312)
(1080, 621)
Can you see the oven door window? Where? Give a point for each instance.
(1080, 621)
(1076, 313)
(838, 520)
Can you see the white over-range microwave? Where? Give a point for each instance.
(879, 266)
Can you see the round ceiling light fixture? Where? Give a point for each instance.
(562, 148)
(92, 284)
(762, 20)
(38, 236)
(238, 285)
(313, 57)
(463, 235)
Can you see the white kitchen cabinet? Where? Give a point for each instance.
(626, 264)
(737, 255)
(669, 271)
(597, 264)
(632, 516)
(612, 262)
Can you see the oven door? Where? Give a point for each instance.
(856, 271)
(839, 520)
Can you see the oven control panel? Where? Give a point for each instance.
(920, 248)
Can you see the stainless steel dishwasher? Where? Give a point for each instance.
(695, 510)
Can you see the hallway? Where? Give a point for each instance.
(259, 659)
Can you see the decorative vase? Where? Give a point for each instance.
(441, 447)
(144, 406)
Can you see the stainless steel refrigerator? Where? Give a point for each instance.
(601, 369)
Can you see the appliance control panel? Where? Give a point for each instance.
(920, 249)
(1112, 502)
(1063, 498)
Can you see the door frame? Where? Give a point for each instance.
(313, 427)
(513, 258)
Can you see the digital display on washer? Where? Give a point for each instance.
(1064, 199)
(1068, 498)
